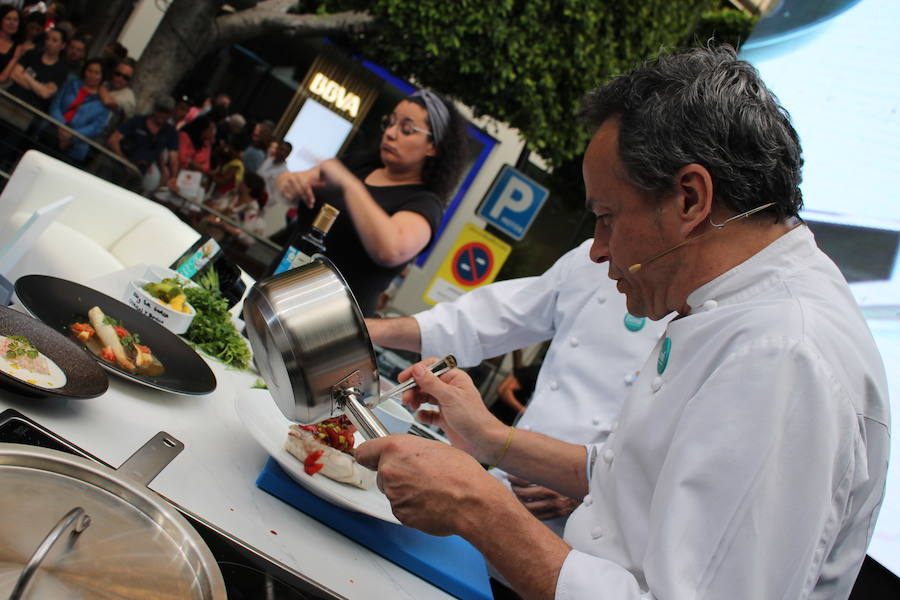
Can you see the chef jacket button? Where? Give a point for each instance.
(656, 384)
(554, 385)
(573, 341)
(597, 532)
(601, 298)
(710, 305)
(588, 500)
(525, 427)
(595, 421)
(608, 455)
(630, 378)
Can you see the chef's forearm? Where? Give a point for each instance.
(401, 333)
(538, 458)
(524, 550)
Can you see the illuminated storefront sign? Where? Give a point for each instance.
(334, 93)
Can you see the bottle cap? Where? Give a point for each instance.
(325, 219)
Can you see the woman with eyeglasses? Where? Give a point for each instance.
(389, 211)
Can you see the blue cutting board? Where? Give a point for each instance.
(450, 563)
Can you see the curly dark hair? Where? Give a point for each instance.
(442, 172)
(707, 107)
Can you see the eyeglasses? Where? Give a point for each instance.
(406, 125)
(124, 76)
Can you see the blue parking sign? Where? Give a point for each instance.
(512, 202)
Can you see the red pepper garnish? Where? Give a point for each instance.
(313, 469)
(309, 463)
(144, 349)
(107, 354)
(120, 331)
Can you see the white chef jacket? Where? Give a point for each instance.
(596, 351)
(751, 462)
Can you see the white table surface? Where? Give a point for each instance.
(214, 477)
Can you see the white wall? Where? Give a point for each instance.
(141, 26)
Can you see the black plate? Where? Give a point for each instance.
(84, 379)
(57, 302)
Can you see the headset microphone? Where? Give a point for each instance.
(716, 227)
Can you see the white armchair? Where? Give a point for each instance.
(105, 228)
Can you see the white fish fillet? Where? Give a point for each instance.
(109, 337)
(337, 465)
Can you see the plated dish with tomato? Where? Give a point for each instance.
(119, 338)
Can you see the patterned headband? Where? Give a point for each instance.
(438, 115)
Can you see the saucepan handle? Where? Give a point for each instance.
(76, 517)
(438, 368)
(151, 458)
(360, 415)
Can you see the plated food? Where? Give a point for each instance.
(144, 343)
(110, 341)
(19, 358)
(258, 412)
(319, 457)
(36, 360)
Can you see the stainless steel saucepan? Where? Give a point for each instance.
(73, 528)
(312, 348)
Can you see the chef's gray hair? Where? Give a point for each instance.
(438, 115)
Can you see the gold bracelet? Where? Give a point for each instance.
(505, 448)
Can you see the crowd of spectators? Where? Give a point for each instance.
(201, 150)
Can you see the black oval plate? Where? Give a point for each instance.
(57, 302)
(84, 379)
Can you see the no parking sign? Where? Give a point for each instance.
(474, 260)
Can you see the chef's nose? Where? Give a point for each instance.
(600, 248)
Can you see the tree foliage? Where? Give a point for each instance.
(524, 62)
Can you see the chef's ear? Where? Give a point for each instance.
(694, 196)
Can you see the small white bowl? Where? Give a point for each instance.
(157, 273)
(175, 321)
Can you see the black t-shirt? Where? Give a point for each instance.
(5, 57)
(141, 146)
(366, 278)
(33, 64)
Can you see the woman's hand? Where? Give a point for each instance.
(463, 416)
(300, 185)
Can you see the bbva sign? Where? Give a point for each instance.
(332, 92)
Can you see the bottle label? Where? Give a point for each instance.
(192, 263)
(292, 258)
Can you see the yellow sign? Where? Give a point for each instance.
(473, 261)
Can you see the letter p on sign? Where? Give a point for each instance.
(513, 202)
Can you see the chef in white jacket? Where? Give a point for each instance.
(750, 457)
(597, 350)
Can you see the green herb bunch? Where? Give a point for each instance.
(212, 330)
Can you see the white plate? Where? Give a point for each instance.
(259, 413)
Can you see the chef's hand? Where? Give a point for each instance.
(507, 393)
(463, 416)
(431, 486)
(300, 185)
(542, 502)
